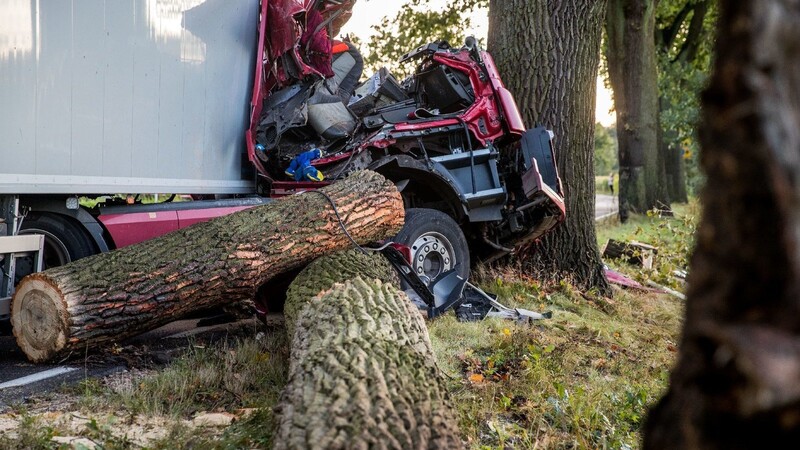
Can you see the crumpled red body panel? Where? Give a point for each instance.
(289, 34)
(316, 45)
(284, 18)
(298, 28)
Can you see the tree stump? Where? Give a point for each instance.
(362, 371)
(116, 295)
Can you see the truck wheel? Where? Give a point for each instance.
(64, 241)
(437, 243)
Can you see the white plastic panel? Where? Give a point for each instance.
(137, 89)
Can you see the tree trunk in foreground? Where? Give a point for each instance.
(737, 380)
(633, 72)
(120, 294)
(548, 53)
(362, 372)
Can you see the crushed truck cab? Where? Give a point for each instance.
(450, 135)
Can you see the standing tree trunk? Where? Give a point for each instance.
(679, 40)
(548, 53)
(737, 380)
(112, 296)
(633, 72)
(675, 166)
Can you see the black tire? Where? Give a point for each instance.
(64, 241)
(436, 241)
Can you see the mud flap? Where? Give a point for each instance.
(445, 291)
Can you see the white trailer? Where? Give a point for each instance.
(112, 96)
(132, 96)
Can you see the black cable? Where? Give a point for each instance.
(347, 163)
(341, 222)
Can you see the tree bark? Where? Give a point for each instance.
(362, 371)
(325, 272)
(112, 296)
(737, 380)
(548, 53)
(674, 164)
(669, 39)
(633, 72)
(675, 167)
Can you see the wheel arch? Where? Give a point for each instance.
(422, 181)
(78, 217)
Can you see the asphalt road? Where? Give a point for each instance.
(605, 205)
(19, 379)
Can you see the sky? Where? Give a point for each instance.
(369, 12)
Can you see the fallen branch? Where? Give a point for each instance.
(633, 252)
(667, 290)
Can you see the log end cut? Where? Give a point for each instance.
(39, 318)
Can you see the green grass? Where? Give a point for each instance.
(650, 228)
(580, 380)
(32, 433)
(235, 374)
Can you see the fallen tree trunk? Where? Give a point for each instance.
(362, 371)
(123, 293)
(323, 273)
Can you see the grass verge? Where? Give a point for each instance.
(673, 236)
(583, 379)
(236, 380)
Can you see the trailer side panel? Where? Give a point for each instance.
(103, 96)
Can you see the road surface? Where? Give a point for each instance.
(605, 205)
(20, 379)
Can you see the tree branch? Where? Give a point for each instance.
(692, 41)
(669, 33)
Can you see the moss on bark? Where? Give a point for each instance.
(363, 374)
(323, 273)
(112, 296)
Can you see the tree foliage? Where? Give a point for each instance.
(417, 24)
(684, 42)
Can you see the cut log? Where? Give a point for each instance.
(362, 370)
(120, 294)
(323, 273)
(633, 252)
